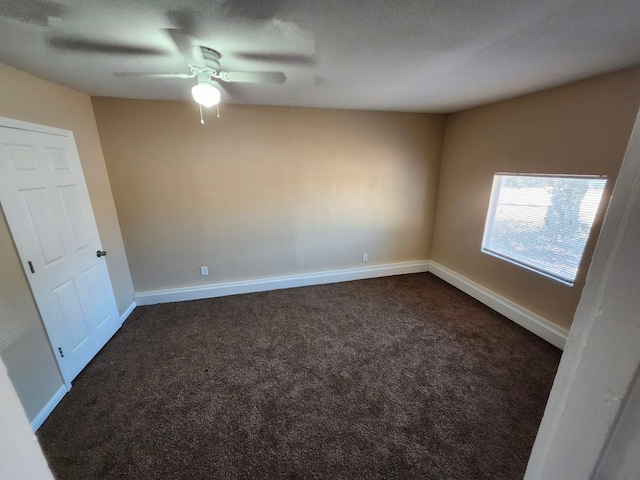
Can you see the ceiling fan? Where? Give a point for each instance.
(204, 64)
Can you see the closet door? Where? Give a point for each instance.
(46, 203)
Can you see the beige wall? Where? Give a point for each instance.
(23, 343)
(275, 191)
(267, 191)
(581, 128)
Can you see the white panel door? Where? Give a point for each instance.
(47, 206)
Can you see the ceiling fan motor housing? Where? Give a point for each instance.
(211, 58)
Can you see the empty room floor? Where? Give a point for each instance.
(394, 377)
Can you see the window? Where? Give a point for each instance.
(542, 222)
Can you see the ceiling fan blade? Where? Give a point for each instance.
(278, 58)
(187, 47)
(253, 77)
(85, 45)
(228, 88)
(155, 75)
(184, 20)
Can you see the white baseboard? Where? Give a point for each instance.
(62, 391)
(274, 283)
(48, 408)
(127, 312)
(533, 322)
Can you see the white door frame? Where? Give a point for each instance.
(601, 360)
(34, 127)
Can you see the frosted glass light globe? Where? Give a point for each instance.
(206, 94)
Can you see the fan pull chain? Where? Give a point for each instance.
(201, 117)
(218, 108)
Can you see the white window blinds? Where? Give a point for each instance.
(542, 222)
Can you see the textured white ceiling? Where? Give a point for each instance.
(404, 55)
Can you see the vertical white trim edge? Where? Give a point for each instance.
(127, 312)
(48, 408)
(601, 362)
(533, 322)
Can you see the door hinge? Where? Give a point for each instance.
(31, 267)
(60, 350)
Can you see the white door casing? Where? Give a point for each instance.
(47, 206)
(581, 436)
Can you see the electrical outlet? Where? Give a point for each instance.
(204, 271)
(365, 257)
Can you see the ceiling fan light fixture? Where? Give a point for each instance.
(206, 94)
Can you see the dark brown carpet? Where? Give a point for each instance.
(396, 377)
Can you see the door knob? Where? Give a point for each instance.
(100, 253)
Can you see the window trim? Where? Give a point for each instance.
(491, 213)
